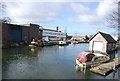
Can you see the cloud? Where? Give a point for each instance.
(21, 11)
(32, 12)
(72, 20)
(106, 7)
(79, 8)
(85, 14)
(96, 16)
(89, 19)
(52, 0)
(35, 11)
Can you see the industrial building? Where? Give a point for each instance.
(53, 35)
(19, 34)
(15, 34)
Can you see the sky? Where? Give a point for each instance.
(84, 17)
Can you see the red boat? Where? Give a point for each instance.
(86, 59)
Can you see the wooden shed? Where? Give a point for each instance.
(102, 42)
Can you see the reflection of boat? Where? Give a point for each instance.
(87, 59)
(61, 46)
(80, 69)
(30, 45)
(33, 49)
(48, 44)
(61, 43)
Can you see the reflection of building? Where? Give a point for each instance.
(102, 42)
(49, 34)
(12, 33)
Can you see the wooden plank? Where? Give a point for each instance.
(105, 68)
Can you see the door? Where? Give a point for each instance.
(16, 35)
(97, 46)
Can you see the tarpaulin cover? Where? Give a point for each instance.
(85, 57)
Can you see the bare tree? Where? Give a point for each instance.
(114, 19)
(4, 19)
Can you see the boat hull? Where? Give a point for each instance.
(62, 44)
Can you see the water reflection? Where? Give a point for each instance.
(80, 69)
(61, 46)
(46, 63)
(114, 73)
(34, 49)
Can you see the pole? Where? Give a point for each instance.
(114, 66)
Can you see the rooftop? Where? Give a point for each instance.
(107, 37)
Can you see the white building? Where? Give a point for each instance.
(102, 42)
(50, 35)
(78, 37)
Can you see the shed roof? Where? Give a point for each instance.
(107, 37)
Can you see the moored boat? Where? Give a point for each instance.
(74, 42)
(36, 44)
(61, 43)
(48, 44)
(87, 59)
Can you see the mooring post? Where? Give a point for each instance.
(114, 66)
(84, 66)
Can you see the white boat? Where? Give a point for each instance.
(62, 43)
(82, 61)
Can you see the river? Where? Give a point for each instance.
(51, 62)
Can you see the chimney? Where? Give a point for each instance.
(57, 28)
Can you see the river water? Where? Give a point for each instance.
(51, 62)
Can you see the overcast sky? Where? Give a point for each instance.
(75, 17)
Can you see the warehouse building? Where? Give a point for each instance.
(15, 34)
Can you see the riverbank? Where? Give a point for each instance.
(49, 43)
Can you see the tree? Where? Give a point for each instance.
(4, 19)
(113, 19)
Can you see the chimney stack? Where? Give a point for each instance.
(57, 28)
